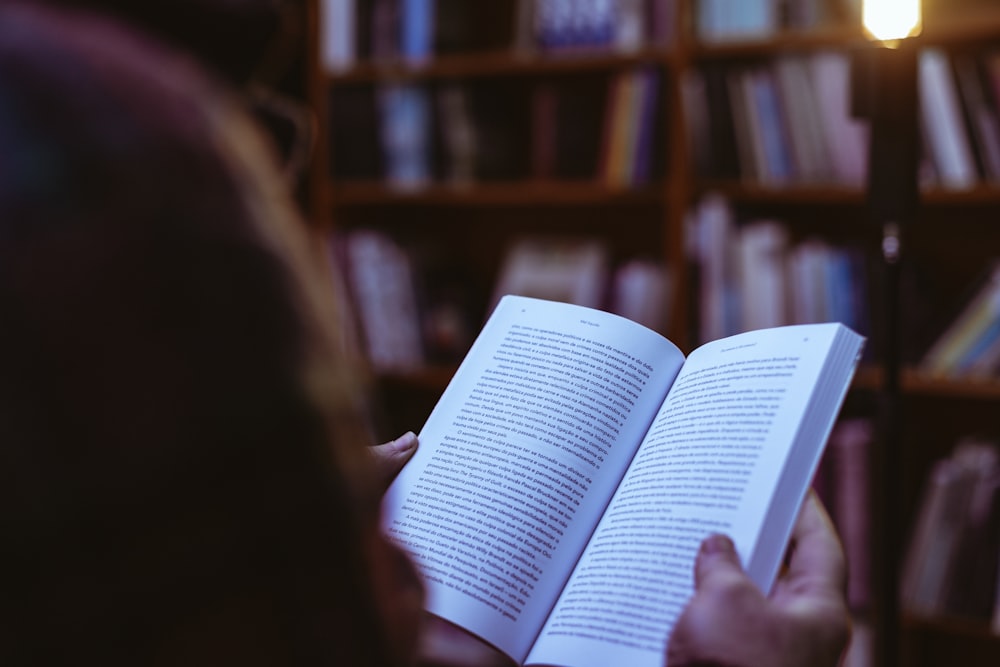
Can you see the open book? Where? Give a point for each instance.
(566, 477)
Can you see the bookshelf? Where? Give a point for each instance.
(460, 224)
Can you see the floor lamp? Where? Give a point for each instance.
(885, 81)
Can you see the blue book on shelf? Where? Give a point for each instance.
(773, 127)
(417, 29)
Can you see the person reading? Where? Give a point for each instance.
(187, 478)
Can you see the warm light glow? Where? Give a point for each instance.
(889, 20)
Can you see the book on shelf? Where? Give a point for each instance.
(769, 122)
(458, 134)
(761, 256)
(338, 34)
(401, 30)
(406, 122)
(777, 123)
(417, 30)
(709, 90)
(570, 24)
(970, 344)
(728, 20)
(380, 279)
(948, 144)
(951, 560)
(629, 128)
(799, 102)
(844, 484)
(641, 292)
(751, 275)
(569, 269)
(579, 270)
(846, 136)
(723, 20)
(571, 468)
(561, 26)
(980, 114)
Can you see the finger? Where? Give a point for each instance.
(717, 563)
(390, 457)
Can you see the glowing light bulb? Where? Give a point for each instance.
(891, 20)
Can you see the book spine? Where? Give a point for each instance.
(846, 138)
(417, 30)
(338, 30)
(948, 141)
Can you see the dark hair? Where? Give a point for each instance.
(175, 427)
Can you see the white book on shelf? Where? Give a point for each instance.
(948, 140)
(762, 250)
(640, 292)
(630, 25)
(846, 137)
(807, 281)
(338, 33)
(715, 229)
(380, 276)
(566, 269)
(798, 99)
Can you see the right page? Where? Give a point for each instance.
(732, 450)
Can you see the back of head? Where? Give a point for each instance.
(178, 475)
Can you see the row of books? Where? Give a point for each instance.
(721, 20)
(573, 25)
(601, 128)
(411, 314)
(752, 275)
(789, 121)
(412, 31)
(959, 95)
(351, 30)
(786, 121)
(951, 564)
(970, 345)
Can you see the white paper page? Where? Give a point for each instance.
(511, 474)
(710, 463)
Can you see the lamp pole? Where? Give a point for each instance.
(888, 98)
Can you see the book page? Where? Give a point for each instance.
(519, 458)
(733, 450)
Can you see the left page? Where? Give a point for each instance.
(519, 458)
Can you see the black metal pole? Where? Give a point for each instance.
(889, 99)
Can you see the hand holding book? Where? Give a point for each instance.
(805, 621)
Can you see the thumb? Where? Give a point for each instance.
(390, 457)
(717, 563)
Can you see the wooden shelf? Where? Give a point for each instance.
(526, 193)
(826, 195)
(499, 64)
